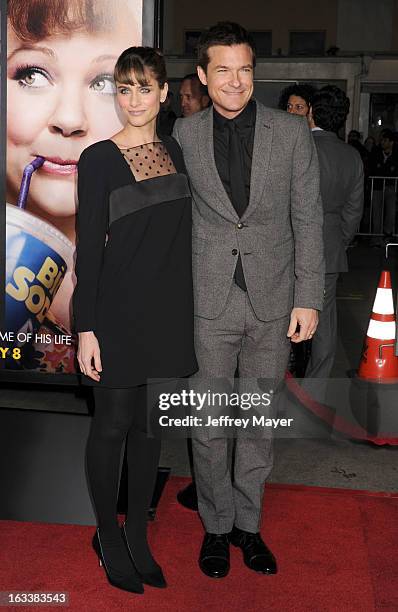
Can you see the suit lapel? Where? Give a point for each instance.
(262, 146)
(206, 151)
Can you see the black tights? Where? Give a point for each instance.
(121, 413)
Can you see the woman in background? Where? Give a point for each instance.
(296, 99)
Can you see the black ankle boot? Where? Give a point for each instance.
(155, 576)
(127, 579)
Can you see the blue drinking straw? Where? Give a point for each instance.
(27, 175)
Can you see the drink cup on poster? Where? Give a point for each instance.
(37, 258)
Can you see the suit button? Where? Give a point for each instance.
(234, 251)
(239, 225)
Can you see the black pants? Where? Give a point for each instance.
(324, 341)
(120, 414)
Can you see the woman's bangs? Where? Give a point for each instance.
(132, 72)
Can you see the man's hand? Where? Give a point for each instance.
(307, 319)
(88, 352)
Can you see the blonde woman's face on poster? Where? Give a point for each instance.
(61, 99)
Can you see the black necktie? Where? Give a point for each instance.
(238, 191)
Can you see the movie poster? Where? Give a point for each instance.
(58, 69)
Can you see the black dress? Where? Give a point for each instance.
(133, 265)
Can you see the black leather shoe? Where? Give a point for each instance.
(214, 555)
(256, 555)
(188, 497)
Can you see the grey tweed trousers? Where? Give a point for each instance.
(260, 350)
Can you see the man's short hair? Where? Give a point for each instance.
(354, 135)
(387, 133)
(224, 33)
(303, 90)
(330, 107)
(193, 77)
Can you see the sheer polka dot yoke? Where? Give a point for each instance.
(149, 160)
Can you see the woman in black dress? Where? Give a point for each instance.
(133, 305)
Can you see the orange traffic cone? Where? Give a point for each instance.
(379, 362)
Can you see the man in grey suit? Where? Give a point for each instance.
(258, 273)
(342, 185)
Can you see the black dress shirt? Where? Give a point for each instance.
(245, 124)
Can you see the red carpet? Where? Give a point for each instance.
(337, 552)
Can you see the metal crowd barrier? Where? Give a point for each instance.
(380, 209)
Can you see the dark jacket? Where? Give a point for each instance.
(342, 185)
(381, 167)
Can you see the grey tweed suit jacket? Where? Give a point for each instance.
(279, 236)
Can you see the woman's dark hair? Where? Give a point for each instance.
(224, 33)
(330, 107)
(136, 62)
(302, 90)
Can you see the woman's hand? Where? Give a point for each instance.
(88, 352)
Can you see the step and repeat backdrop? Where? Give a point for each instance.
(57, 98)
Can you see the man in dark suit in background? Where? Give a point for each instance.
(341, 172)
(296, 99)
(193, 95)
